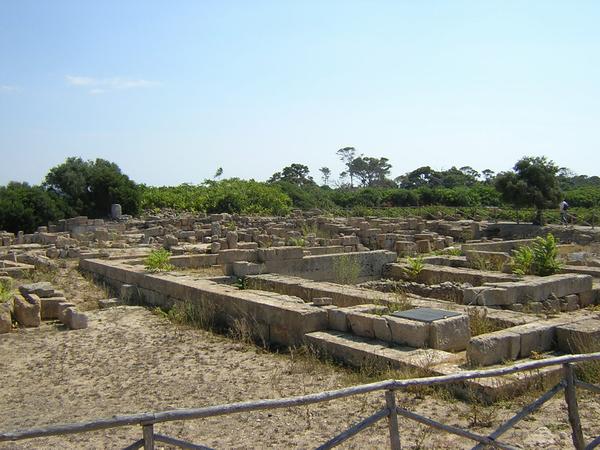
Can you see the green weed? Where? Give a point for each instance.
(538, 259)
(346, 269)
(158, 261)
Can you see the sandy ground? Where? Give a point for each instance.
(130, 360)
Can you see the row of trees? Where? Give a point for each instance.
(79, 187)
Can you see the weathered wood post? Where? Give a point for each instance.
(390, 401)
(573, 408)
(148, 430)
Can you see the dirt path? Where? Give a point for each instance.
(130, 360)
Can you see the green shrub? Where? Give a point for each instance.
(414, 268)
(24, 207)
(158, 261)
(6, 289)
(539, 259)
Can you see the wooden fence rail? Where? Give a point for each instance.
(391, 411)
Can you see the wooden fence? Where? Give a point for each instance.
(390, 410)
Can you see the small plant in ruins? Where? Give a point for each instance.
(158, 261)
(297, 242)
(479, 322)
(6, 289)
(539, 259)
(414, 267)
(346, 269)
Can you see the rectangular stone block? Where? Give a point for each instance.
(381, 329)
(579, 337)
(451, 334)
(49, 307)
(337, 319)
(361, 324)
(493, 348)
(535, 337)
(237, 254)
(408, 332)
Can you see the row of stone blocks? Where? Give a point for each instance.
(529, 290)
(40, 301)
(537, 337)
(370, 321)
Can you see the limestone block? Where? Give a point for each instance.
(361, 324)
(279, 253)
(382, 329)
(215, 229)
(215, 247)
(41, 289)
(170, 241)
(154, 231)
(570, 303)
(493, 348)
(337, 319)
(232, 239)
(535, 337)
(74, 319)
(579, 337)
(230, 255)
(5, 316)
(49, 307)
(62, 307)
(244, 268)
(52, 253)
(405, 248)
(451, 334)
(586, 298)
(27, 310)
(248, 245)
(423, 246)
(408, 332)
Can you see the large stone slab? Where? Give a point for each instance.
(493, 348)
(451, 334)
(579, 337)
(408, 332)
(27, 310)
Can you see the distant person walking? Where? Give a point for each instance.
(564, 215)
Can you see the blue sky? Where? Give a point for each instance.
(172, 90)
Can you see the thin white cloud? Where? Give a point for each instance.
(6, 88)
(102, 85)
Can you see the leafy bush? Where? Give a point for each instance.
(414, 268)
(6, 289)
(24, 207)
(539, 259)
(226, 196)
(158, 261)
(90, 187)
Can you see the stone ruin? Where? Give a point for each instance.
(282, 276)
(36, 302)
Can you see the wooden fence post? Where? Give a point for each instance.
(390, 401)
(573, 408)
(148, 431)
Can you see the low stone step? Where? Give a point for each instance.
(359, 352)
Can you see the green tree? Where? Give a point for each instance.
(90, 187)
(347, 155)
(371, 171)
(325, 174)
(532, 182)
(24, 207)
(297, 174)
